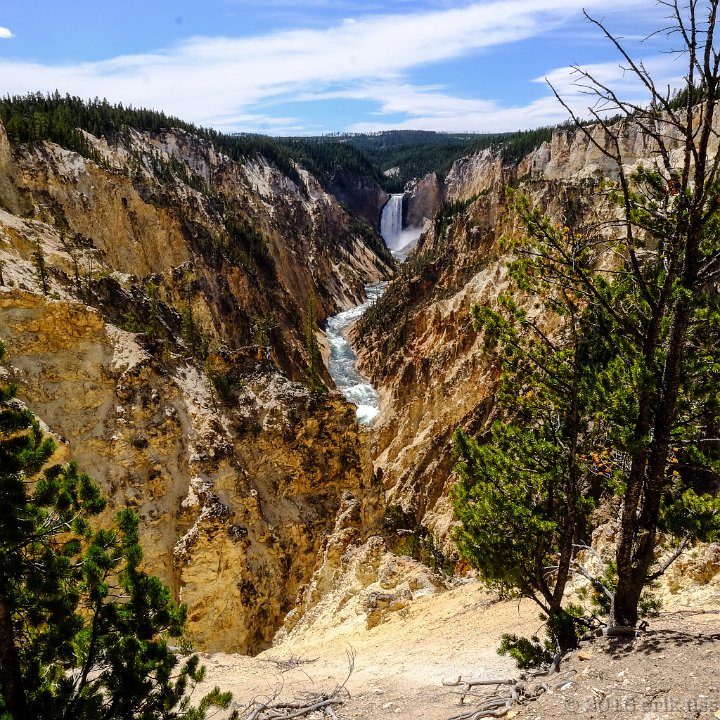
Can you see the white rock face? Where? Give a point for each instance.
(569, 157)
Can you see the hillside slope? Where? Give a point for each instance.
(399, 666)
(418, 344)
(169, 351)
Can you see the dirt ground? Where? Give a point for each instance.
(672, 670)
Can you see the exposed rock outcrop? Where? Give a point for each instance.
(235, 500)
(358, 194)
(423, 201)
(196, 413)
(418, 345)
(359, 585)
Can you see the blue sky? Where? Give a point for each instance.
(320, 66)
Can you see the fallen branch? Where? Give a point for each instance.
(290, 663)
(476, 683)
(553, 667)
(497, 705)
(620, 631)
(679, 550)
(275, 709)
(287, 711)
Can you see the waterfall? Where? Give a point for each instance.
(391, 222)
(395, 236)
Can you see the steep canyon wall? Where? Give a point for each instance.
(418, 345)
(169, 353)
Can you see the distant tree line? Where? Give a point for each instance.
(323, 156)
(36, 117)
(416, 153)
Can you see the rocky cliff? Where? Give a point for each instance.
(423, 201)
(359, 194)
(154, 301)
(418, 344)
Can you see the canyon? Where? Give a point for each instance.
(170, 345)
(168, 353)
(418, 344)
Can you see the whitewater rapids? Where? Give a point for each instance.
(341, 365)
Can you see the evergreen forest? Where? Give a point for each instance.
(413, 153)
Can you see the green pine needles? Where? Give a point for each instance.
(524, 497)
(83, 630)
(608, 345)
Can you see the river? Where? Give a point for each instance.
(341, 365)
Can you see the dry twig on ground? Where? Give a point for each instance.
(291, 663)
(498, 702)
(304, 704)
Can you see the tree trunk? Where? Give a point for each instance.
(623, 610)
(624, 605)
(10, 673)
(636, 546)
(563, 627)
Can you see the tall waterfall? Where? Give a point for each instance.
(395, 236)
(391, 222)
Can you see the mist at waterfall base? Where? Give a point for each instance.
(396, 237)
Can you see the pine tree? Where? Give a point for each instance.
(83, 630)
(191, 333)
(646, 328)
(672, 207)
(38, 259)
(524, 494)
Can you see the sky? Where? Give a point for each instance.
(321, 66)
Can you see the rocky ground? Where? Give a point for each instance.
(672, 670)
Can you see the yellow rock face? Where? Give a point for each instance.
(427, 361)
(235, 497)
(234, 504)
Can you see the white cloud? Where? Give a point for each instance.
(429, 109)
(211, 80)
(461, 115)
(5, 34)
(666, 71)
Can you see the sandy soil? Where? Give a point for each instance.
(398, 666)
(672, 670)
